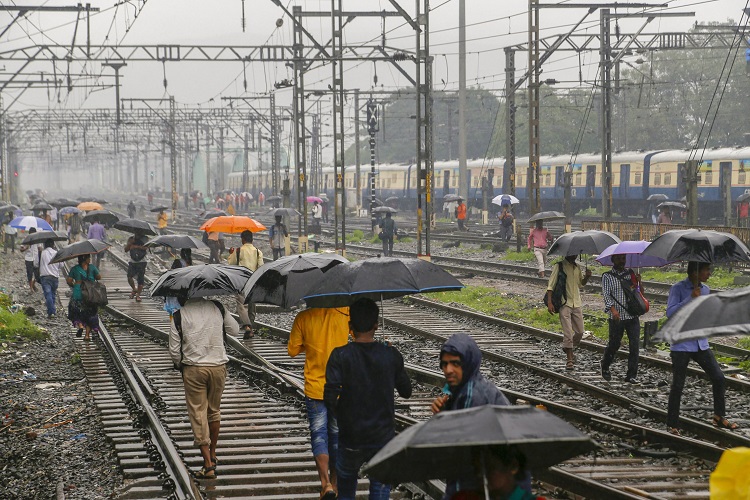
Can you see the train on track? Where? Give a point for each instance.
(636, 176)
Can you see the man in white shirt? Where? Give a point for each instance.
(10, 235)
(31, 259)
(49, 275)
(196, 346)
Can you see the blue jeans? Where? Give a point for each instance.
(49, 287)
(707, 361)
(324, 431)
(347, 467)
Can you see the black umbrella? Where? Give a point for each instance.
(657, 197)
(159, 209)
(743, 197)
(671, 204)
(385, 210)
(91, 198)
(549, 215)
(273, 198)
(723, 313)
(64, 202)
(290, 212)
(176, 241)
(591, 242)
(41, 205)
(452, 197)
(392, 199)
(444, 446)
(136, 226)
(379, 278)
(698, 245)
(214, 213)
(202, 281)
(104, 216)
(8, 208)
(285, 281)
(41, 236)
(82, 247)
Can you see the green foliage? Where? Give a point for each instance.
(720, 277)
(75, 359)
(17, 324)
(522, 256)
(744, 342)
(405, 239)
(511, 307)
(356, 236)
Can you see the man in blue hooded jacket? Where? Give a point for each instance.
(465, 387)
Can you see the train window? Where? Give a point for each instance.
(709, 177)
(667, 179)
(637, 178)
(657, 179)
(741, 177)
(579, 179)
(548, 179)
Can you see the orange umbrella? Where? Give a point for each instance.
(232, 224)
(89, 205)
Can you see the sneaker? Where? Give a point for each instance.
(606, 375)
(632, 380)
(79, 332)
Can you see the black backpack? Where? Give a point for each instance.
(138, 254)
(635, 303)
(559, 294)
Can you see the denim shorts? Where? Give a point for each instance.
(324, 431)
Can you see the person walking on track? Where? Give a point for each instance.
(250, 257)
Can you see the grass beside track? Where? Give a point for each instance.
(17, 324)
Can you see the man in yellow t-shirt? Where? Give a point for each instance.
(162, 222)
(250, 257)
(317, 332)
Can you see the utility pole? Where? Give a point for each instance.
(337, 75)
(173, 155)
(357, 159)
(463, 172)
(245, 158)
(692, 168)
(220, 184)
(300, 142)
(372, 129)
(605, 68)
(532, 173)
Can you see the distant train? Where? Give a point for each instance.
(636, 176)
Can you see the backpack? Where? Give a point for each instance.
(635, 303)
(559, 294)
(138, 254)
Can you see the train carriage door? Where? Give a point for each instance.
(446, 181)
(624, 180)
(559, 181)
(590, 180)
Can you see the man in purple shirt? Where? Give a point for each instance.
(96, 232)
(698, 350)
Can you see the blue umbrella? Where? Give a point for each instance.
(69, 210)
(28, 222)
(632, 251)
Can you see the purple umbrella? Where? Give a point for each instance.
(312, 199)
(633, 257)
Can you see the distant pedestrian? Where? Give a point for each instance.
(131, 210)
(360, 379)
(540, 239)
(465, 387)
(506, 223)
(571, 316)
(54, 216)
(186, 199)
(250, 257)
(212, 240)
(620, 320)
(49, 276)
(31, 259)
(97, 232)
(196, 346)
(697, 350)
(324, 208)
(83, 314)
(136, 249)
(76, 224)
(317, 213)
(388, 230)
(461, 215)
(665, 217)
(150, 197)
(161, 222)
(185, 259)
(277, 235)
(9, 233)
(316, 332)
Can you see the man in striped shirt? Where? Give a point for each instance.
(620, 320)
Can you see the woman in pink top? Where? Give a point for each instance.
(539, 240)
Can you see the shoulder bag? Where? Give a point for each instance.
(94, 292)
(559, 294)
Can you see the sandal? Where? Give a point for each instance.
(206, 473)
(328, 493)
(214, 460)
(569, 365)
(723, 423)
(674, 431)
(137, 298)
(132, 294)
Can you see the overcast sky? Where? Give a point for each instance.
(492, 25)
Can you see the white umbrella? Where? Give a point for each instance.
(505, 199)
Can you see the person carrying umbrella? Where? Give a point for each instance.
(251, 258)
(75, 223)
(161, 222)
(539, 239)
(465, 387)
(317, 213)
(97, 232)
(276, 235)
(317, 332)
(137, 250)
(665, 216)
(171, 304)
(698, 350)
(81, 313)
(388, 230)
(360, 379)
(196, 346)
(506, 223)
(49, 276)
(571, 316)
(31, 259)
(620, 320)
(131, 210)
(461, 215)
